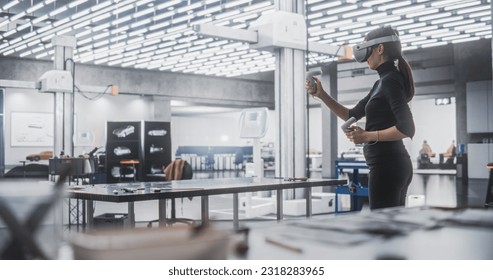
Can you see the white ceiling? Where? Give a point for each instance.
(158, 35)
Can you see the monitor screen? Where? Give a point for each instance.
(253, 122)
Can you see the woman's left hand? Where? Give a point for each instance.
(357, 135)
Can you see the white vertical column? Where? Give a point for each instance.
(290, 102)
(64, 101)
(329, 122)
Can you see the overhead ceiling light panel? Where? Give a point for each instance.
(17, 16)
(144, 12)
(423, 29)
(385, 20)
(258, 6)
(406, 10)
(167, 4)
(178, 28)
(10, 5)
(357, 13)
(58, 11)
(447, 19)
(444, 3)
(79, 14)
(435, 16)
(465, 40)
(189, 7)
(76, 3)
(325, 6)
(236, 3)
(35, 8)
(319, 21)
(140, 23)
(481, 14)
(421, 13)
(227, 14)
(474, 9)
(24, 26)
(397, 4)
(101, 17)
(373, 16)
(209, 11)
(341, 9)
(436, 44)
(467, 28)
(64, 31)
(60, 22)
(123, 9)
(35, 42)
(463, 4)
(100, 6)
(9, 33)
(143, 2)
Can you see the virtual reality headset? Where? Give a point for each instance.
(362, 51)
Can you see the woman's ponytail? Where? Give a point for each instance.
(405, 69)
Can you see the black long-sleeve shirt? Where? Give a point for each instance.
(386, 106)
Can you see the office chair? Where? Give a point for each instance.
(239, 158)
(177, 170)
(209, 161)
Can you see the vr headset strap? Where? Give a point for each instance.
(391, 38)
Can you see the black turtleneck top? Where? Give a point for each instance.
(386, 106)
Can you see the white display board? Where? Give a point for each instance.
(31, 129)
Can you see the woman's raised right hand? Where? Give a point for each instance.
(314, 91)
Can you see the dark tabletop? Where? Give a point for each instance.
(139, 191)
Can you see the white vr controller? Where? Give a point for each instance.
(309, 76)
(347, 124)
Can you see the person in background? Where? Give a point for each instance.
(449, 154)
(450, 151)
(388, 117)
(427, 149)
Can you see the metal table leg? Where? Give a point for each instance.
(308, 195)
(279, 205)
(162, 212)
(205, 209)
(90, 214)
(236, 215)
(131, 214)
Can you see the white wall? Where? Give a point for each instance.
(23, 100)
(435, 124)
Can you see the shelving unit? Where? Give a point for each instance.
(157, 150)
(123, 142)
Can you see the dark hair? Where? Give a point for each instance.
(394, 51)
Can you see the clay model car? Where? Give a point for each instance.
(124, 131)
(157, 132)
(44, 155)
(121, 150)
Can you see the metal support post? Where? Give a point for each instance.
(63, 101)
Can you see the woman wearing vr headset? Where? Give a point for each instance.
(388, 117)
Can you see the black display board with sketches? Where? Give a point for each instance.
(123, 142)
(157, 149)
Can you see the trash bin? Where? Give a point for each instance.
(111, 221)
